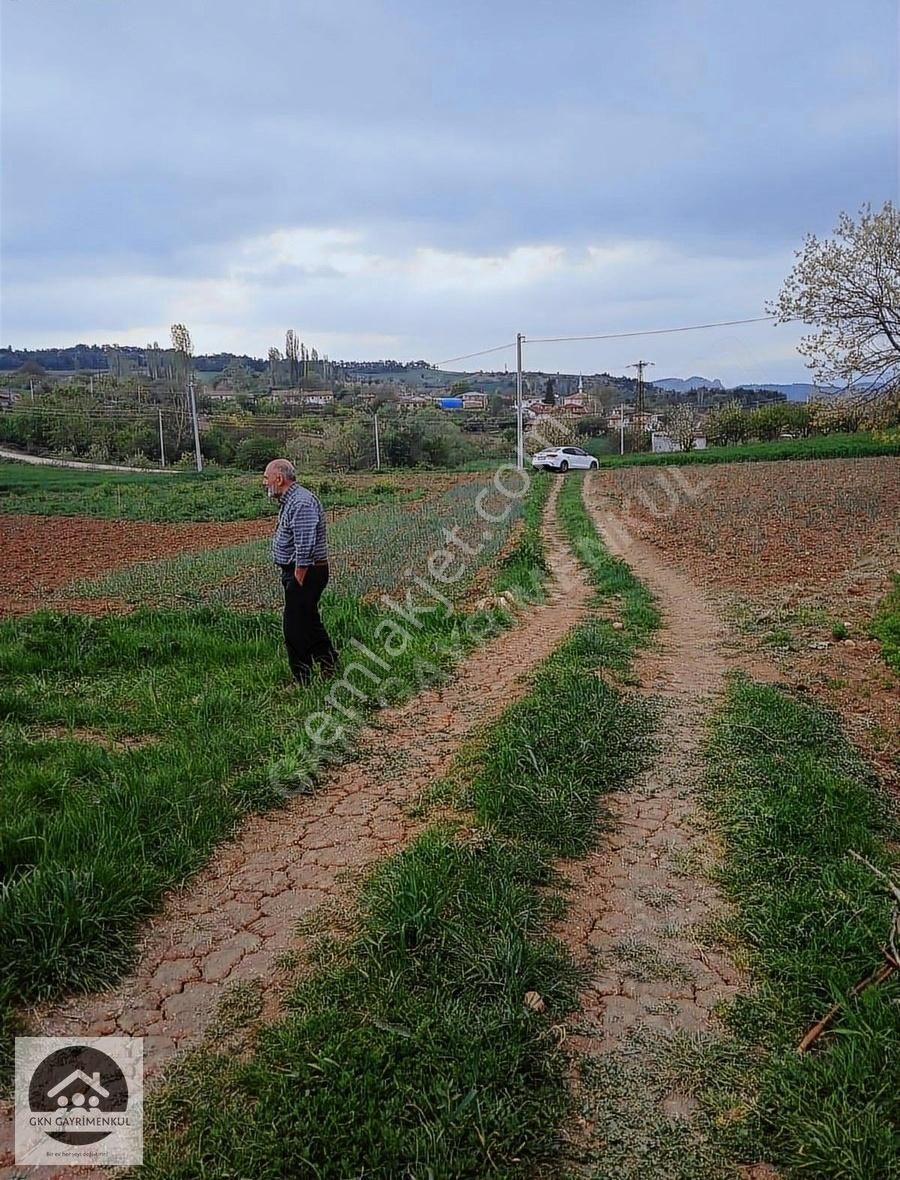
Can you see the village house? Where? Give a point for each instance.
(298, 397)
(474, 401)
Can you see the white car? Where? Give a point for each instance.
(563, 458)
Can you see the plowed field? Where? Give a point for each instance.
(800, 553)
(43, 553)
(756, 527)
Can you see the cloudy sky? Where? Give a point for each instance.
(396, 178)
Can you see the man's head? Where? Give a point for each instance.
(278, 477)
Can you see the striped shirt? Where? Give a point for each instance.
(299, 537)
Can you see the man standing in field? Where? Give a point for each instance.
(299, 549)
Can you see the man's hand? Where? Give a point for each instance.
(300, 574)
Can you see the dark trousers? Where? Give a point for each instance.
(305, 637)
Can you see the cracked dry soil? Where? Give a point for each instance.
(234, 919)
(637, 901)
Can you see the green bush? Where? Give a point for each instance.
(591, 426)
(427, 438)
(252, 454)
(218, 446)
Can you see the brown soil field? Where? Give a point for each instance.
(43, 553)
(789, 549)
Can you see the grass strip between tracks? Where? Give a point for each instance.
(131, 745)
(409, 1049)
(792, 799)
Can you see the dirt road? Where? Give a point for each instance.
(638, 901)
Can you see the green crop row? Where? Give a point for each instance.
(372, 551)
(214, 495)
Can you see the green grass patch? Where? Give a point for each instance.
(414, 1054)
(625, 1096)
(542, 776)
(826, 446)
(213, 495)
(886, 625)
(792, 799)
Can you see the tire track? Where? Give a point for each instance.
(637, 901)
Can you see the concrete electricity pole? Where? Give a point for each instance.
(162, 444)
(639, 414)
(520, 435)
(196, 426)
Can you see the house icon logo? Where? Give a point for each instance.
(79, 1101)
(83, 1088)
(59, 1090)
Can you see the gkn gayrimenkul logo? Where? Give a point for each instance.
(79, 1101)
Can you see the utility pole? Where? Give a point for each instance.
(639, 415)
(377, 447)
(196, 427)
(622, 430)
(520, 437)
(162, 445)
(31, 383)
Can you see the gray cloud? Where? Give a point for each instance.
(148, 148)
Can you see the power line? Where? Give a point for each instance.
(483, 352)
(93, 407)
(123, 419)
(612, 336)
(124, 416)
(646, 332)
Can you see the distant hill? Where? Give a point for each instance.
(677, 385)
(414, 374)
(797, 391)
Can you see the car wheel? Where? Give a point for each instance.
(595, 466)
(563, 467)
